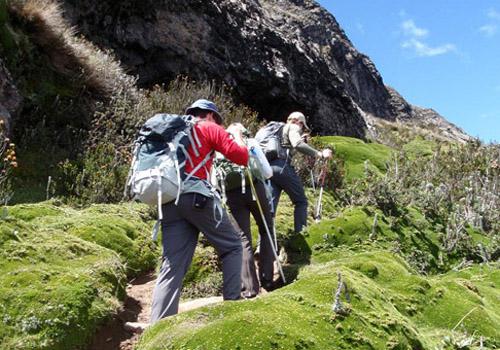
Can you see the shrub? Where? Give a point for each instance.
(8, 160)
(457, 187)
(61, 76)
(101, 173)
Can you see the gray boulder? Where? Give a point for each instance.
(10, 99)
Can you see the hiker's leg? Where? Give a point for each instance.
(299, 199)
(179, 242)
(266, 256)
(295, 191)
(239, 205)
(225, 238)
(277, 181)
(285, 177)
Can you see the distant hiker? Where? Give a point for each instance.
(284, 140)
(199, 210)
(242, 201)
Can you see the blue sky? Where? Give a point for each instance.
(440, 54)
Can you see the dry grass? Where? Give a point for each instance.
(397, 133)
(70, 53)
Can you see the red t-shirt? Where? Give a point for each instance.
(214, 137)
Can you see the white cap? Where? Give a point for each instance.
(300, 117)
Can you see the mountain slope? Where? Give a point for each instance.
(277, 56)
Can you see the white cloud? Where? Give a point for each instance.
(493, 14)
(424, 50)
(488, 30)
(415, 41)
(410, 29)
(360, 27)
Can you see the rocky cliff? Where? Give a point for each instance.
(278, 56)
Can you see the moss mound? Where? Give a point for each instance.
(357, 154)
(411, 235)
(388, 304)
(121, 228)
(393, 309)
(64, 270)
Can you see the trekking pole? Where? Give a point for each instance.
(319, 204)
(312, 181)
(267, 227)
(268, 187)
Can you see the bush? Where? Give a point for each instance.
(457, 187)
(101, 173)
(8, 160)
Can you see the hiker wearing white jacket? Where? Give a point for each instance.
(285, 177)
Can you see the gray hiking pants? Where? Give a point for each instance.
(286, 179)
(181, 226)
(241, 206)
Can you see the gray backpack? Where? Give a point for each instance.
(157, 174)
(270, 138)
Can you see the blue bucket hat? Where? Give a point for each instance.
(205, 105)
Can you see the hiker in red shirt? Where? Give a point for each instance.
(199, 210)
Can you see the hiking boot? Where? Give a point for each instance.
(136, 327)
(268, 285)
(248, 295)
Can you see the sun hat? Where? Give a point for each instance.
(205, 105)
(300, 117)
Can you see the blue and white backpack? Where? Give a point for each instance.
(157, 174)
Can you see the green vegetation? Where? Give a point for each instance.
(390, 307)
(416, 277)
(204, 277)
(410, 225)
(64, 270)
(357, 155)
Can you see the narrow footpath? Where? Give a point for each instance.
(136, 308)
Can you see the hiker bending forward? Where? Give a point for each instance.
(242, 201)
(285, 177)
(199, 210)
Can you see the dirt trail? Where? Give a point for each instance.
(137, 308)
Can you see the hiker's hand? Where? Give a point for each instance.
(306, 137)
(326, 153)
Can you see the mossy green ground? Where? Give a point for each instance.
(64, 270)
(357, 154)
(390, 305)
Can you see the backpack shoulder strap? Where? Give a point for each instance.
(284, 135)
(200, 165)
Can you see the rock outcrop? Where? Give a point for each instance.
(10, 99)
(426, 118)
(277, 56)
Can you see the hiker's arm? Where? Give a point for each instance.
(298, 143)
(223, 143)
